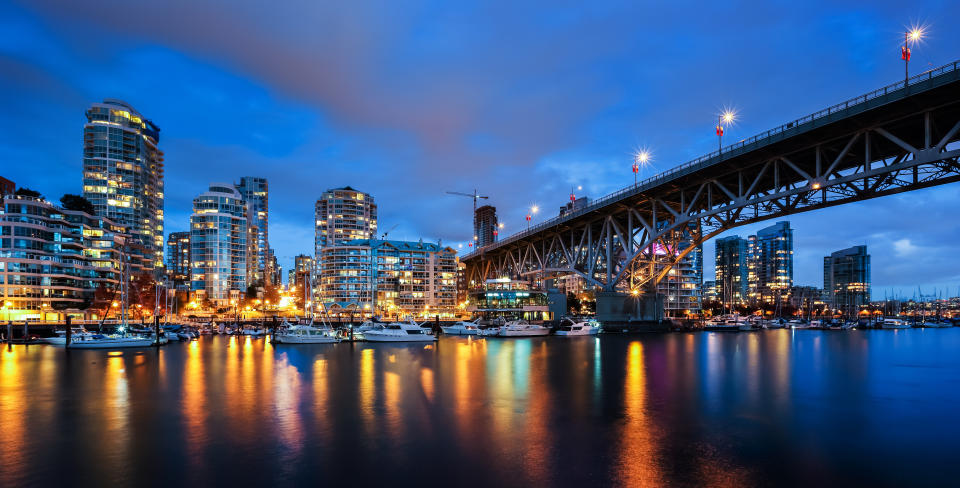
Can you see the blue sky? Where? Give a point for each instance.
(521, 100)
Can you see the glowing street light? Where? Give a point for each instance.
(641, 160)
(911, 36)
(533, 210)
(723, 120)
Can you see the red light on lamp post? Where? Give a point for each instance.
(726, 118)
(909, 36)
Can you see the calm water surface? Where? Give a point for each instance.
(775, 407)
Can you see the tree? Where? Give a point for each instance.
(26, 192)
(77, 203)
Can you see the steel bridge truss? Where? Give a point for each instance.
(634, 243)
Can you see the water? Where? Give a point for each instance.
(775, 407)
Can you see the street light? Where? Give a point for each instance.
(639, 161)
(533, 210)
(723, 120)
(912, 35)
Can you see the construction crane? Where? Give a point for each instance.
(475, 196)
(383, 236)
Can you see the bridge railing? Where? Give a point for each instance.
(797, 125)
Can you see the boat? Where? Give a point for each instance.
(60, 339)
(730, 323)
(254, 332)
(408, 331)
(489, 331)
(522, 328)
(100, 341)
(937, 324)
(306, 334)
(893, 323)
(570, 327)
(462, 328)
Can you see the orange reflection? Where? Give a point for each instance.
(367, 388)
(12, 403)
(637, 464)
(320, 392)
(391, 392)
(194, 402)
(426, 383)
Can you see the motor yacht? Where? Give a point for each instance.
(571, 327)
(254, 332)
(408, 331)
(100, 341)
(306, 334)
(462, 328)
(728, 323)
(893, 323)
(522, 328)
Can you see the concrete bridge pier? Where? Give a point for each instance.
(618, 310)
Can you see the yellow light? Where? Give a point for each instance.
(728, 116)
(114, 304)
(534, 209)
(915, 34)
(635, 292)
(816, 186)
(643, 157)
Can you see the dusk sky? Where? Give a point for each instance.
(407, 100)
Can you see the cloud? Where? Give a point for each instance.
(905, 248)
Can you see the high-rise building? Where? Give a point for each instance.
(846, 279)
(255, 193)
(123, 172)
(731, 270)
(485, 228)
(7, 187)
(53, 260)
(370, 276)
(218, 245)
(682, 286)
(178, 259)
(770, 263)
(344, 214)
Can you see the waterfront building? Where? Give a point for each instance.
(770, 263)
(804, 298)
(731, 270)
(344, 214)
(7, 187)
(274, 273)
(682, 287)
(301, 277)
(710, 291)
(503, 297)
(178, 259)
(123, 172)
(53, 260)
(255, 193)
(575, 205)
(218, 245)
(388, 278)
(485, 224)
(846, 279)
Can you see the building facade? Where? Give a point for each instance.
(846, 279)
(770, 263)
(53, 261)
(731, 272)
(344, 214)
(178, 259)
(389, 278)
(485, 225)
(255, 193)
(682, 286)
(301, 277)
(218, 245)
(123, 172)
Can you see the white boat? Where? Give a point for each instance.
(522, 328)
(570, 327)
(892, 323)
(461, 328)
(408, 331)
(729, 323)
(99, 341)
(61, 338)
(306, 334)
(255, 332)
(937, 324)
(489, 331)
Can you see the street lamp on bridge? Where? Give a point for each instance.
(639, 161)
(910, 36)
(533, 210)
(723, 120)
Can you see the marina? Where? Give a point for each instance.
(687, 409)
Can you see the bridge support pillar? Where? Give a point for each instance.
(617, 308)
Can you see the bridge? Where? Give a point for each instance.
(898, 138)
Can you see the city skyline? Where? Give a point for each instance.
(235, 118)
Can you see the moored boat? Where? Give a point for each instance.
(408, 331)
(522, 328)
(100, 341)
(570, 327)
(306, 334)
(462, 328)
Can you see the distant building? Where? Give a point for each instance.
(7, 187)
(485, 226)
(710, 291)
(389, 278)
(123, 172)
(302, 277)
(218, 245)
(255, 193)
(52, 260)
(806, 297)
(731, 271)
(178, 259)
(682, 287)
(575, 205)
(770, 263)
(846, 278)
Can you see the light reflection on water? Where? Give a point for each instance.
(773, 407)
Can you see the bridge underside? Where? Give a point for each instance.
(633, 243)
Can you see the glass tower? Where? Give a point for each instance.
(254, 192)
(218, 245)
(123, 172)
